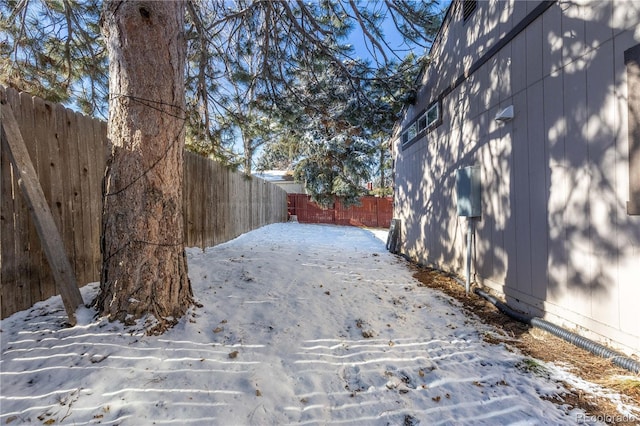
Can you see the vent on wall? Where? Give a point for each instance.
(468, 7)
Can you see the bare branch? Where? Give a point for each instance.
(373, 40)
(67, 44)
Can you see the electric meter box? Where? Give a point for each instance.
(468, 188)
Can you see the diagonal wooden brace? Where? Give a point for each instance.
(46, 227)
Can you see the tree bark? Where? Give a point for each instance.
(144, 270)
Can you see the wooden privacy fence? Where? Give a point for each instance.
(68, 153)
(374, 212)
(221, 204)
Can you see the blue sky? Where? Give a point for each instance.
(392, 37)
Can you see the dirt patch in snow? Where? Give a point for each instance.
(539, 344)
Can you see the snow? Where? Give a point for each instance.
(299, 324)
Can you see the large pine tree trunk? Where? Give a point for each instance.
(144, 267)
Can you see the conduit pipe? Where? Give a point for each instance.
(582, 342)
(470, 230)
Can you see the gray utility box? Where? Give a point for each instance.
(468, 189)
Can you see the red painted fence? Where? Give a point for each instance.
(372, 212)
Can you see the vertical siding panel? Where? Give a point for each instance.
(577, 215)
(519, 63)
(573, 31)
(521, 196)
(534, 51)
(520, 9)
(510, 228)
(601, 143)
(502, 151)
(487, 96)
(487, 234)
(552, 42)
(493, 156)
(428, 215)
(598, 17)
(504, 76)
(505, 10)
(538, 189)
(555, 128)
(625, 17)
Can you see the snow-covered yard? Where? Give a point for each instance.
(299, 324)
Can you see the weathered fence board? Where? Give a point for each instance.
(36, 134)
(69, 156)
(9, 290)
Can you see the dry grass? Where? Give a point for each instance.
(544, 346)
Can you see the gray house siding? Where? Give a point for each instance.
(555, 237)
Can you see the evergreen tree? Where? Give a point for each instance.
(338, 125)
(144, 268)
(239, 53)
(53, 49)
(247, 64)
